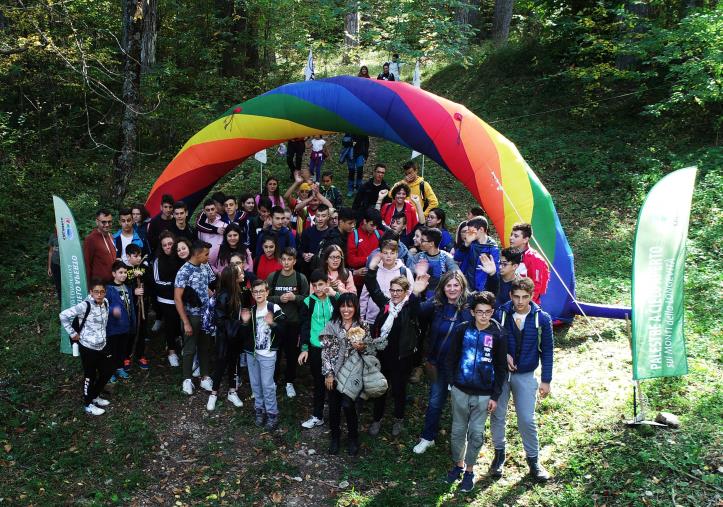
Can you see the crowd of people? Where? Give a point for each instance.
(368, 296)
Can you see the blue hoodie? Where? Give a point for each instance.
(471, 265)
(537, 341)
(127, 320)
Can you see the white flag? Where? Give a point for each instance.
(415, 154)
(261, 156)
(309, 69)
(417, 79)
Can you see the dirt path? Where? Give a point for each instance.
(222, 458)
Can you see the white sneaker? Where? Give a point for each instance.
(233, 398)
(211, 405)
(188, 386)
(422, 446)
(312, 422)
(207, 384)
(173, 360)
(290, 391)
(101, 402)
(156, 326)
(93, 410)
(197, 371)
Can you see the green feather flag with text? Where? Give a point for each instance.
(659, 278)
(73, 285)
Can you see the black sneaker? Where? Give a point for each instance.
(454, 475)
(467, 483)
(272, 422)
(260, 417)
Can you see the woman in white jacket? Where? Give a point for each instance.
(95, 355)
(390, 268)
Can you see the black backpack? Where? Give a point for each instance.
(77, 324)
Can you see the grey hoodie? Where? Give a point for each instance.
(92, 335)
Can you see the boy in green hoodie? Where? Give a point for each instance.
(315, 313)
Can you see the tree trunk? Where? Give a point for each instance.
(125, 160)
(269, 52)
(351, 31)
(468, 14)
(150, 34)
(501, 21)
(640, 9)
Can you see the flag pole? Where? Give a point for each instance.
(422, 165)
(638, 400)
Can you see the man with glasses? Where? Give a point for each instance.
(510, 260)
(368, 192)
(99, 248)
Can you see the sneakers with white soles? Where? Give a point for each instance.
(312, 422)
(207, 384)
(188, 386)
(101, 402)
(93, 410)
(233, 398)
(211, 405)
(290, 391)
(423, 445)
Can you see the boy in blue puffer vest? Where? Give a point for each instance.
(529, 343)
(477, 362)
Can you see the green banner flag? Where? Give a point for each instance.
(658, 278)
(73, 286)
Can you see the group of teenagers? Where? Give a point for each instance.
(382, 284)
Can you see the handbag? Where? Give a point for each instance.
(374, 382)
(431, 369)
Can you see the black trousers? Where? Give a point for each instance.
(289, 347)
(97, 370)
(228, 353)
(117, 345)
(397, 375)
(319, 387)
(171, 325)
(337, 402)
(294, 153)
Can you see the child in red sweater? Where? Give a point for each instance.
(268, 262)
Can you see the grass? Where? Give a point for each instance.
(597, 163)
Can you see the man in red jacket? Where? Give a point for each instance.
(99, 248)
(361, 242)
(533, 264)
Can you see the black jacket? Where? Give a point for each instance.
(404, 336)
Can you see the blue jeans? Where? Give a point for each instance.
(261, 378)
(438, 393)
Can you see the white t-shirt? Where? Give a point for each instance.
(519, 319)
(125, 241)
(263, 332)
(317, 144)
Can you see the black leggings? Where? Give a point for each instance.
(319, 387)
(289, 347)
(337, 402)
(227, 360)
(397, 375)
(294, 153)
(97, 370)
(171, 325)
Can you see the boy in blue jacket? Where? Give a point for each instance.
(477, 365)
(529, 343)
(121, 318)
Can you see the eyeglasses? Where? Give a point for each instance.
(334, 257)
(397, 291)
(484, 313)
(96, 291)
(258, 292)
